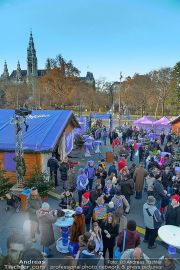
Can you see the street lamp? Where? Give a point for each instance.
(120, 78)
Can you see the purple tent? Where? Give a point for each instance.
(145, 122)
(162, 124)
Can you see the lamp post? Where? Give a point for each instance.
(120, 78)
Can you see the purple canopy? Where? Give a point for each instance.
(162, 124)
(163, 121)
(145, 122)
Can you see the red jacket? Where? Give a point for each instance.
(132, 240)
(121, 164)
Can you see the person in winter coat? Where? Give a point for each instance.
(81, 184)
(71, 179)
(121, 206)
(121, 164)
(167, 182)
(101, 175)
(94, 194)
(168, 148)
(138, 177)
(53, 165)
(77, 229)
(90, 171)
(158, 191)
(162, 137)
(108, 191)
(100, 211)
(112, 169)
(132, 237)
(104, 135)
(132, 170)
(87, 209)
(88, 259)
(64, 167)
(152, 220)
(46, 219)
(127, 186)
(67, 201)
(172, 216)
(97, 237)
(33, 204)
(83, 242)
(150, 179)
(109, 233)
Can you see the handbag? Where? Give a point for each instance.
(117, 253)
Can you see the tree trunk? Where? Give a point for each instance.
(157, 105)
(163, 108)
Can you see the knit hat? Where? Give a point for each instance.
(79, 210)
(151, 200)
(175, 197)
(86, 195)
(45, 205)
(111, 205)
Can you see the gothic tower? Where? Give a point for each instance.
(31, 58)
(18, 73)
(5, 75)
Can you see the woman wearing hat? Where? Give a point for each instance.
(87, 209)
(46, 219)
(152, 221)
(82, 182)
(77, 229)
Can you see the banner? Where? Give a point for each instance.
(68, 142)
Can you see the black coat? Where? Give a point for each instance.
(88, 212)
(173, 216)
(167, 179)
(64, 171)
(53, 164)
(127, 187)
(113, 231)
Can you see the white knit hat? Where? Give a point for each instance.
(45, 205)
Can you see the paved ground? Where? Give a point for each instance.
(11, 221)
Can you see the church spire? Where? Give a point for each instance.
(5, 75)
(18, 72)
(31, 58)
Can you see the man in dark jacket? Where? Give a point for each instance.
(132, 237)
(127, 186)
(101, 174)
(64, 173)
(88, 257)
(167, 176)
(158, 191)
(173, 212)
(87, 209)
(53, 165)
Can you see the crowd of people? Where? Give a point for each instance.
(101, 227)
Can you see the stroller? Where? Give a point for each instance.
(13, 200)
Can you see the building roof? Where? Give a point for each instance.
(45, 129)
(175, 119)
(13, 75)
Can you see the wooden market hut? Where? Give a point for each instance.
(48, 131)
(176, 125)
